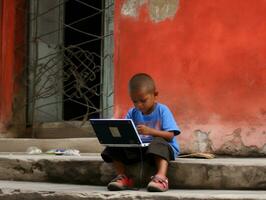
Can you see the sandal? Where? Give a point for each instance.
(121, 182)
(158, 184)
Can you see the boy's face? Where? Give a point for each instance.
(144, 100)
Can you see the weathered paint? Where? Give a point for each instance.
(7, 62)
(12, 56)
(158, 9)
(209, 64)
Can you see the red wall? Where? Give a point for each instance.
(12, 56)
(209, 63)
(7, 62)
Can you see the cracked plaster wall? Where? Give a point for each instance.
(234, 142)
(207, 58)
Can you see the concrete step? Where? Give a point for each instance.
(88, 145)
(12, 190)
(65, 129)
(218, 173)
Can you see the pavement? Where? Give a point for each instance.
(14, 190)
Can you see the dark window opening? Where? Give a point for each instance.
(82, 71)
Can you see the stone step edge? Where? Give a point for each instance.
(232, 161)
(220, 173)
(10, 190)
(96, 155)
(84, 145)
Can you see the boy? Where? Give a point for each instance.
(156, 125)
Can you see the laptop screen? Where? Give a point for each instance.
(116, 132)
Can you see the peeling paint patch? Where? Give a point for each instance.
(236, 147)
(131, 7)
(263, 150)
(202, 142)
(159, 10)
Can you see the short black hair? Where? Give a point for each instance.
(141, 80)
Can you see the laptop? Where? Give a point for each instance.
(117, 132)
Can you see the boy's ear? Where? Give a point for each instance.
(156, 93)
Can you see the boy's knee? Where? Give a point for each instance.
(159, 147)
(156, 139)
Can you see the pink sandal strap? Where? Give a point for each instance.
(158, 179)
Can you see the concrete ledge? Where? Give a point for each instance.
(88, 145)
(66, 129)
(10, 190)
(220, 173)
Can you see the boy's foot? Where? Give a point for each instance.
(158, 184)
(121, 182)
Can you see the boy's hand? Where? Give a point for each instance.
(144, 130)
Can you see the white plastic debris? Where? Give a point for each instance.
(71, 152)
(51, 151)
(55, 151)
(65, 152)
(34, 151)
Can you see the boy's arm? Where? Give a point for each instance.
(145, 130)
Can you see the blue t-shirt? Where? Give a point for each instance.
(161, 118)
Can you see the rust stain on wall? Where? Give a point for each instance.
(159, 10)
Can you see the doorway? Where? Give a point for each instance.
(70, 60)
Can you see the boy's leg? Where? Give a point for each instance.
(117, 156)
(161, 152)
(119, 167)
(121, 182)
(162, 166)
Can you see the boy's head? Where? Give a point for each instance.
(142, 91)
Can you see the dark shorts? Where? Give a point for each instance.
(128, 155)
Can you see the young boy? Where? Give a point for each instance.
(156, 125)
